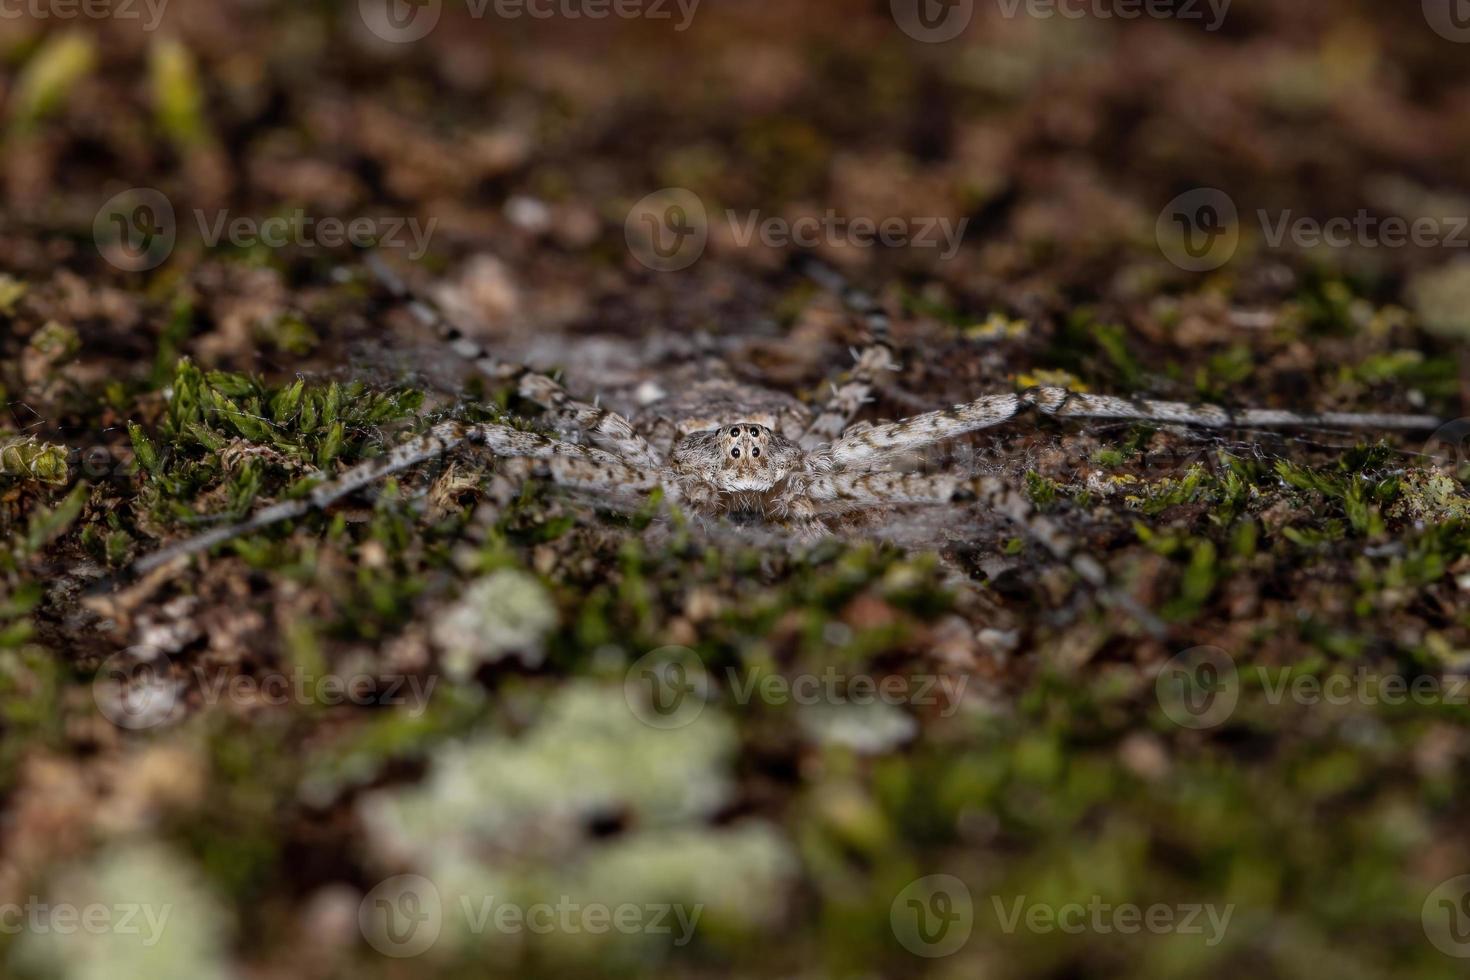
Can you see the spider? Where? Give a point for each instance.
(719, 448)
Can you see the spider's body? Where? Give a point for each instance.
(719, 448)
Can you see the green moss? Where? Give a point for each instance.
(48, 78)
(25, 458)
(178, 97)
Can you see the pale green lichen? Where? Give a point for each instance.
(1441, 297)
(871, 728)
(1432, 497)
(589, 755)
(150, 915)
(505, 612)
(512, 818)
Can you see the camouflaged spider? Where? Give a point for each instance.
(719, 448)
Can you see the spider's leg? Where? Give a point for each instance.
(565, 462)
(848, 398)
(853, 490)
(872, 445)
(1062, 403)
(606, 428)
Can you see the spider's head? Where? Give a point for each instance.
(740, 457)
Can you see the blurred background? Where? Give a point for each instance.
(1111, 195)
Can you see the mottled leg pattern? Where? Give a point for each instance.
(869, 446)
(861, 489)
(565, 463)
(858, 490)
(607, 428)
(848, 398)
(1062, 403)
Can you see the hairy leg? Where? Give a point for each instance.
(565, 463)
(848, 398)
(869, 446)
(1068, 404)
(858, 490)
(606, 428)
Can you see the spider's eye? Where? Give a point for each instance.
(735, 453)
(755, 452)
(735, 431)
(754, 431)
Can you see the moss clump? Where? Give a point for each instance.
(25, 458)
(48, 78)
